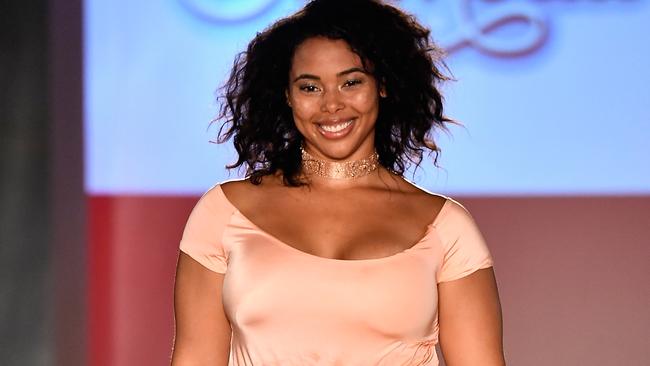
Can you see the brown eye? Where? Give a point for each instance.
(352, 82)
(308, 88)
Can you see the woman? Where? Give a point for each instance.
(325, 254)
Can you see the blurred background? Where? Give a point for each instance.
(106, 146)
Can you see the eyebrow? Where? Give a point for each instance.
(344, 72)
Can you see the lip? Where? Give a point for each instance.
(339, 134)
(335, 121)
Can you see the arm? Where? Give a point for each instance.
(202, 335)
(470, 320)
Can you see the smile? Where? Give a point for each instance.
(337, 130)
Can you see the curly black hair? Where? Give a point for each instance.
(395, 48)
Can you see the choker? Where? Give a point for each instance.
(336, 170)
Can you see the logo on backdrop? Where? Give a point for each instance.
(503, 29)
(493, 27)
(228, 11)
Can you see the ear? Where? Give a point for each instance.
(286, 95)
(382, 89)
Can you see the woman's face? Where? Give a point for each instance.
(335, 102)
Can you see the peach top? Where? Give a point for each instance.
(288, 307)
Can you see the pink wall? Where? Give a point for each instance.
(572, 274)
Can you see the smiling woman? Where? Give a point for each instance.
(325, 254)
(332, 96)
(393, 50)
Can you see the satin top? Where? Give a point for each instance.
(288, 307)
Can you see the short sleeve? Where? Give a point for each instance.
(203, 231)
(464, 248)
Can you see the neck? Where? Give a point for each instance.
(345, 170)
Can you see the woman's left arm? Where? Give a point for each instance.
(469, 316)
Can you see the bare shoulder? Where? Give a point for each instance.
(429, 204)
(235, 186)
(432, 198)
(243, 193)
(237, 191)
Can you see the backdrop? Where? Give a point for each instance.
(552, 161)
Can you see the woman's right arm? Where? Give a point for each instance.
(203, 333)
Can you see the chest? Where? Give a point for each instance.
(348, 227)
(270, 286)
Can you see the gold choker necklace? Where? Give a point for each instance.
(336, 170)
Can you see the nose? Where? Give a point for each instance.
(331, 101)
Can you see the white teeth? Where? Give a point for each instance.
(336, 128)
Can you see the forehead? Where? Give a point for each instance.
(322, 56)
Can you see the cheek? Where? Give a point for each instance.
(365, 102)
(303, 109)
(303, 112)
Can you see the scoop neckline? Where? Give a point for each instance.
(287, 247)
